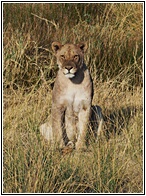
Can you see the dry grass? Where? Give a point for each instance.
(114, 57)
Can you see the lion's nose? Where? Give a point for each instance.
(68, 68)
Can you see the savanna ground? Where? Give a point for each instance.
(114, 33)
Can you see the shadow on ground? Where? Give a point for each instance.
(115, 121)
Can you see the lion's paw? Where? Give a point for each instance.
(68, 148)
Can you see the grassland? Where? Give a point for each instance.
(114, 35)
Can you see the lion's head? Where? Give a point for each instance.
(69, 57)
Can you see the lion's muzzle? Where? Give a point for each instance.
(69, 69)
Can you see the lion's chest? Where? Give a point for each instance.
(76, 99)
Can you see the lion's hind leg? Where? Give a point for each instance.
(96, 121)
(46, 131)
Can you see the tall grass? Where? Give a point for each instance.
(113, 32)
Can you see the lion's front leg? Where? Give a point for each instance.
(84, 115)
(58, 126)
(70, 124)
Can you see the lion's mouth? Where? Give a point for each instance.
(69, 72)
(69, 75)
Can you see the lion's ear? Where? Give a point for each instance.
(83, 46)
(56, 46)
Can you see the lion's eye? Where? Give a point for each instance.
(62, 57)
(76, 57)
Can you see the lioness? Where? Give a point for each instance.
(72, 96)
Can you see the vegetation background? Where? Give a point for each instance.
(114, 33)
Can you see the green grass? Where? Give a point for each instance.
(114, 34)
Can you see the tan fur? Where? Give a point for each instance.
(72, 96)
(95, 126)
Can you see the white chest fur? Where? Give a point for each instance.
(73, 94)
(76, 98)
